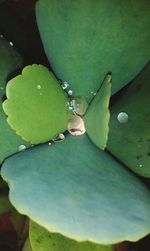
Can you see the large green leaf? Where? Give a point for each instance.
(36, 105)
(10, 60)
(130, 141)
(97, 116)
(84, 40)
(77, 190)
(43, 240)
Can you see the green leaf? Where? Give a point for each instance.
(97, 116)
(10, 60)
(75, 189)
(10, 142)
(130, 141)
(36, 106)
(93, 38)
(42, 240)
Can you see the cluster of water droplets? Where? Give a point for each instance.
(65, 87)
(39, 87)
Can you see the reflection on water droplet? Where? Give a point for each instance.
(93, 93)
(139, 165)
(39, 87)
(59, 137)
(64, 85)
(49, 143)
(70, 92)
(123, 117)
(21, 147)
(78, 105)
(11, 43)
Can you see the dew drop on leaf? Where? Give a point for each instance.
(123, 117)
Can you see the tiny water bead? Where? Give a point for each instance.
(64, 85)
(59, 137)
(39, 87)
(21, 147)
(11, 43)
(70, 92)
(123, 117)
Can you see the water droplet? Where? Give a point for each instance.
(49, 143)
(11, 43)
(64, 85)
(140, 165)
(39, 87)
(21, 147)
(70, 92)
(123, 117)
(78, 105)
(93, 93)
(59, 137)
(1, 35)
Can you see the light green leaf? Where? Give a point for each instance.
(37, 107)
(42, 240)
(97, 116)
(10, 60)
(75, 189)
(85, 39)
(130, 141)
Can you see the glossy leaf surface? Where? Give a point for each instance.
(42, 240)
(97, 115)
(10, 60)
(36, 105)
(94, 38)
(130, 141)
(75, 189)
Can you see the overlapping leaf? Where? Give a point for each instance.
(97, 116)
(130, 141)
(37, 107)
(42, 240)
(77, 190)
(83, 40)
(10, 60)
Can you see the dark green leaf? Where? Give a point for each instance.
(10, 60)
(84, 40)
(130, 141)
